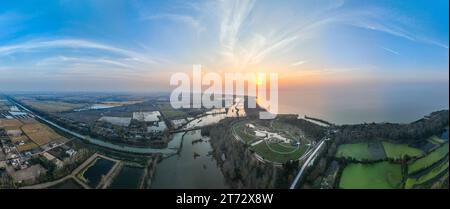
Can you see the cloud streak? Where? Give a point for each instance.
(185, 19)
(390, 51)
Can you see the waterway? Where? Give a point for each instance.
(192, 168)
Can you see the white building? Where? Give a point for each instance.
(147, 116)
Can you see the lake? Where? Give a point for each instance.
(377, 103)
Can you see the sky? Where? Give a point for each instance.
(133, 45)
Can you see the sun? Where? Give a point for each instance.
(259, 81)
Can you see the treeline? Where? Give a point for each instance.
(412, 133)
(310, 129)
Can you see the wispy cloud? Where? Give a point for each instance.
(381, 20)
(184, 19)
(36, 46)
(390, 51)
(300, 62)
(101, 61)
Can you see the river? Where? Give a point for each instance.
(192, 168)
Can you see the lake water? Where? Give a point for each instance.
(192, 168)
(128, 178)
(350, 105)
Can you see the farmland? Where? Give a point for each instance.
(40, 133)
(52, 106)
(27, 146)
(170, 112)
(361, 151)
(398, 151)
(429, 159)
(433, 173)
(383, 175)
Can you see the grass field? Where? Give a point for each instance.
(429, 159)
(410, 182)
(53, 106)
(244, 136)
(40, 133)
(398, 151)
(436, 140)
(359, 151)
(289, 153)
(383, 175)
(170, 112)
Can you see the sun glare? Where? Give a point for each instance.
(259, 81)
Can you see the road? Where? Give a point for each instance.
(306, 164)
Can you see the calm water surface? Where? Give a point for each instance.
(384, 103)
(192, 168)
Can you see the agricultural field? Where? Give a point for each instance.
(40, 133)
(121, 103)
(433, 173)
(169, 112)
(280, 153)
(429, 159)
(398, 151)
(10, 123)
(436, 140)
(52, 106)
(361, 151)
(27, 146)
(382, 175)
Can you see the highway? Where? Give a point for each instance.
(306, 164)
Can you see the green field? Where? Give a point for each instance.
(410, 182)
(170, 112)
(240, 130)
(397, 151)
(436, 140)
(53, 106)
(383, 175)
(278, 153)
(359, 151)
(429, 159)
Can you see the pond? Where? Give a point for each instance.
(94, 173)
(128, 178)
